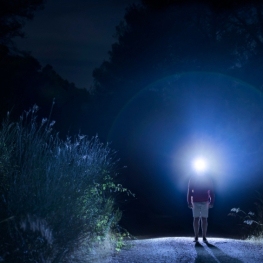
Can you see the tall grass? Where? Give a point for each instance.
(56, 194)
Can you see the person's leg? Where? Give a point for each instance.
(196, 224)
(196, 221)
(204, 216)
(204, 227)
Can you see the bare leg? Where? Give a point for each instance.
(196, 226)
(204, 226)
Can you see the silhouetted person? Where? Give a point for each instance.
(200, 198)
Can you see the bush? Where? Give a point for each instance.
(55, 194)
(252, 222)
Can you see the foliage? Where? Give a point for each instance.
(13, 15)
(5, 153)
(163, 48)
(182, 36)
(24, 83)
(252, 220)
(55, 194)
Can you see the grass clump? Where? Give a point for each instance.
(57, 196)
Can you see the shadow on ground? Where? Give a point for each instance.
(212, 254)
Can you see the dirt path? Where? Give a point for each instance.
(183, 249)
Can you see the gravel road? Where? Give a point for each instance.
(183, 249)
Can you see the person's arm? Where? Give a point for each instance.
(189, 197)
(211, 195)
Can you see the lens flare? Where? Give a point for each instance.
(200, 164)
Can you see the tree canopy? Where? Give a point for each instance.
(162, 38)
(24, 82)
(13, 14)
(153, 43)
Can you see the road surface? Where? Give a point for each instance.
(184, 250)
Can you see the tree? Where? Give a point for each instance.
(171, 37)
(154, 43)
(13, 15)
(24, 82)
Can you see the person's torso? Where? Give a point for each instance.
(200, 188)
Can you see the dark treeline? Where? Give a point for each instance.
(162, 38)
(24, 82)
(155, 40)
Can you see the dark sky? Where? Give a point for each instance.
(74, 36)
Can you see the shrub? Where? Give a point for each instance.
(253, 221)
(55, 194)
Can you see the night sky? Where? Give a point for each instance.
(159, 130)
(74, 36)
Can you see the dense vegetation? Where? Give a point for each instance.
(56, 195)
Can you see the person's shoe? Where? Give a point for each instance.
(205, 240)
(196, 239)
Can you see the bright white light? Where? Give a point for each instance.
(200, 164)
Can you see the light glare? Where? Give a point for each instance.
(200, 165)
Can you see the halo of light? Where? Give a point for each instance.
(200, 165)
(192, 114)
(176, 79)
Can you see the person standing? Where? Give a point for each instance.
(200, 197)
